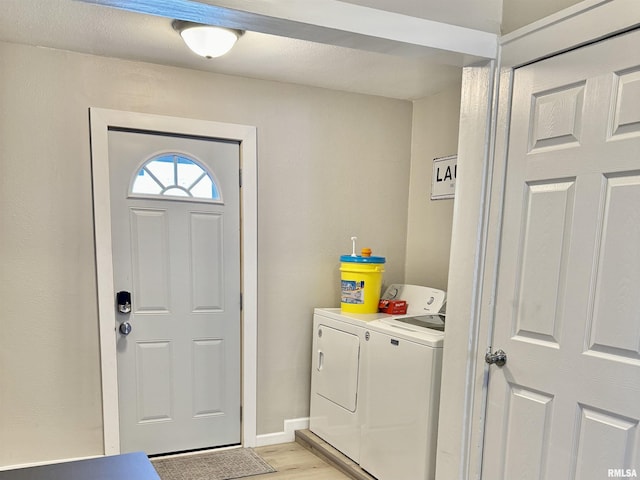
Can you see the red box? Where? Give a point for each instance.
(393, 307)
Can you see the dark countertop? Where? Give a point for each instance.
(128, 466)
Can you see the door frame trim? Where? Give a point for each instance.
(100, 122)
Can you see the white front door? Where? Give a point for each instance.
(567, 403)
(176, 250)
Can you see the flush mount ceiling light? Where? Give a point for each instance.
(207, 40)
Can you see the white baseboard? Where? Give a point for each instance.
(287, 436)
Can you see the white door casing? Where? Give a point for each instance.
(101, 121)
(179, 257)
(565, 404)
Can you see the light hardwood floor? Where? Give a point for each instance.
(293, 461)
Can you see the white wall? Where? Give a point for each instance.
(330, 165)
(435, 134)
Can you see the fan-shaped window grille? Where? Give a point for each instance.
(175, 175)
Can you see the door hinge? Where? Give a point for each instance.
(240, 412)
(240, 176)
(241, 301)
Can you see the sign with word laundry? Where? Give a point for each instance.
(443, 180)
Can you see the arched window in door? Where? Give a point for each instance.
(175, 175)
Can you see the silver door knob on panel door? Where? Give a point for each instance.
(499, 357)
(125, 328)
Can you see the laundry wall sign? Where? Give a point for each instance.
(443, 180)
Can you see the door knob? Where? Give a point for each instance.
(499, 357)
(125, 328)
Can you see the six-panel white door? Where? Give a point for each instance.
(179, 256)
(567, 403)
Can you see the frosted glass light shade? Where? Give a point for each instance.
(209, 41)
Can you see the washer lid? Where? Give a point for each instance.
(434, 322)
(425, 336)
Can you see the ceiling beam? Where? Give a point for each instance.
(330, 22)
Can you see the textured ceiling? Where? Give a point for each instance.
(101, 30)
(482, 15)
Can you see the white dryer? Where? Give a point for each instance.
(335, 378)
(375, 385)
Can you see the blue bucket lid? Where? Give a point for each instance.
(361, 259)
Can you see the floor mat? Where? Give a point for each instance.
(219, 465)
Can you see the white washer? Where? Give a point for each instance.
(375, 386)
(402, 368)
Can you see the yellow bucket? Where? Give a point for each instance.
(361, 282)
